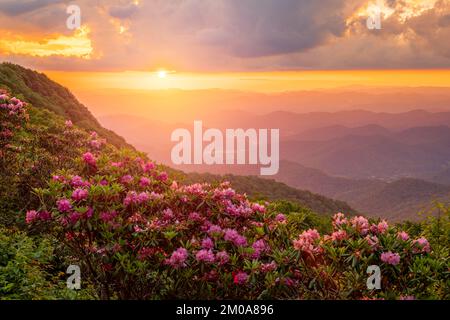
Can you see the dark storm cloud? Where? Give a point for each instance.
(265, 27)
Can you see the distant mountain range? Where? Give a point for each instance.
(291, 123)
(338, 131)
(419, 152)
(397, 200)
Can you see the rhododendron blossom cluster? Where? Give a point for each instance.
(13, 115)
(390, 258)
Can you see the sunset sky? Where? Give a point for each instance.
(260, 45)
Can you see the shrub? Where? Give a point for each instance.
(139, 235)
(25, 269)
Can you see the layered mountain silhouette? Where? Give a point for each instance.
(419, 152)
(397, 200)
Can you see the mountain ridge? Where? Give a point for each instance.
(39, 90)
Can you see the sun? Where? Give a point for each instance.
(162, 74)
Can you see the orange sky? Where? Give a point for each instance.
(251, 81)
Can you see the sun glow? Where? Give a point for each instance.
(162, 74)
(251, 81)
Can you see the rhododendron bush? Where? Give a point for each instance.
(138, 234)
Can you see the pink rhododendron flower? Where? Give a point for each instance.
(144, 182)
(361, 224)
(44, 215)
(259, 247)
(167, 214)
(222, 257)
(89, 159)
(147, 167)
(31, 216)
(268, 267)
(79, 194)
(373, 228)
(163, 176)
(74, 217)
(194, 216)
(207, 243)
(131, 198)
(194, 189)
(240, 278)
(226, 193)
(421, 245)
(57, 178)
(306, 241)
(76, 182)
(96, 144)
(372, 241)
(126, 179)
(68, 124)
(6, 133)
(205, 256)
(241, 210)
(89, 213)
(156, 196)
(288, 282)
(108, 216)
(280, 218)
(390, 258)
(257, 224)
(234, 237)
(339, 219)
(143, 197)
(403, 236)
(339, 235)
(64, 205)
(258, 208)
(117, 164)
(382, 226)
(214, 230)
(178, 258)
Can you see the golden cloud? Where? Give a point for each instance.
(77, 45)
(403, 10)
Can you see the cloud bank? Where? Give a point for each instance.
(233, 35)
